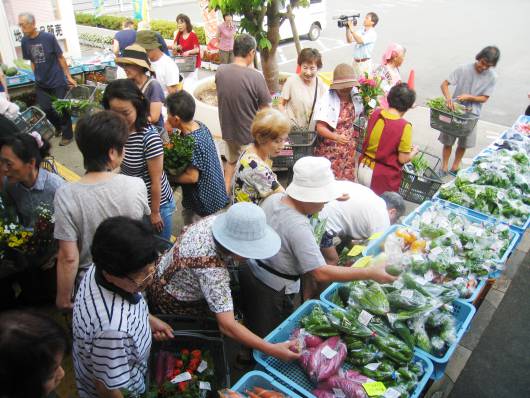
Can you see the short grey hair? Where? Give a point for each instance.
(29, 16)
(243, 45)
(394, 200)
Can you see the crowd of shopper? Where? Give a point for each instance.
(116, 264)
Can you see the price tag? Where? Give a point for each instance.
(204, 385)
(181, 377)
(392, 393)
(328, 352)
(437, 251)
(374, 389)
(202, 366)
(338, 393)
(362, 262)
(373, 366)
(407, 293)
(391, 317)
(375, 236)
(429, 276)
(356, 250)
(365, 317)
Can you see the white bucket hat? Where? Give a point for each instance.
(243, 230)
(313, 181)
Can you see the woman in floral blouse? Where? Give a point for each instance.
(254, 179)
(192, 279)
(336, 113)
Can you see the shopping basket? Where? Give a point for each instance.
(260, 379)
(300, 143)
(81, 92)
(455, 125)
(186, 64)
(34, 119)
(418, 188)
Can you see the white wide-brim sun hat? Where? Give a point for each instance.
(313, 181)
(243, 230)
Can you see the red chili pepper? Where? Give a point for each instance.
(196, 354)
(179, 364)
(182, 386)
(185, 351)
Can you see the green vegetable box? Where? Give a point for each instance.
(346, 353)
(482, 240)
(497, 185)
(421, 314)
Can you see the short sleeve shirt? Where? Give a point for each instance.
(299, 252)
(28, 200)
(167, 72)
(467, 80)
(43, 52)
(405, 145)
(208, 195)
(254, 179)
(154, 93)
(111, 339)
(300, 99)
(80, 208)
(189, 44)
(139, 148)
(125, 38)
(198, 272)
(365, 49)
(241, 92)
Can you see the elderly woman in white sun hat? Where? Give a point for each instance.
(270, 286)
(192, 279)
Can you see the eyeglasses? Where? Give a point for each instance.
(144, 281)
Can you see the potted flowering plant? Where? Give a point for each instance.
(370, 91)
(177, 153)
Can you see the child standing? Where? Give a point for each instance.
(203, 187)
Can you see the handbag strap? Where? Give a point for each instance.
(314, 100)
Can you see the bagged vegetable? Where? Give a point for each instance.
(406, 299)
(370, 297)
(325, 360)
(318, 324)
(350, 388)
(302, 339)
(347, 321)
(362, 356)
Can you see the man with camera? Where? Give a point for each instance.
(364, 39)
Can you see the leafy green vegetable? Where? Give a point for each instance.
(420, 164)
(370, 297)
(178, 153)
(440, 104)
(318, 324)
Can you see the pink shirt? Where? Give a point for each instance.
(226, 37)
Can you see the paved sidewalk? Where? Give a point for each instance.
(492, 359)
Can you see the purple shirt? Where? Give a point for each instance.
(226, 37)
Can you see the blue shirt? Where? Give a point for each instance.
(43, 51)
(27, 200)
(364, 50)
(208, 195)
(125, 38)
(154, 92)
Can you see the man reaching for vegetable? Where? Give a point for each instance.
(474, 84)
(270, 287)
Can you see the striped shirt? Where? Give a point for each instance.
(141, 147)
(111, 339)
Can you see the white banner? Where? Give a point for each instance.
(53, 27)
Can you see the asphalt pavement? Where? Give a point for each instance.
(439, 35)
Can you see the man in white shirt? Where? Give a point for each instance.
(359, 217)
(364, 39)
(166, 70)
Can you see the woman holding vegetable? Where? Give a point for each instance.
(254, 179)
(144, 154)
(192, 279)
(388, 143)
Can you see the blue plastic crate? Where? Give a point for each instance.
(464, 211)
(93, 67)
(292, 374)
(257, 378)
(23, 77)
(75, 70)
(374, 248)
(463, 314)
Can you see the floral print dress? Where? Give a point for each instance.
(342, 157)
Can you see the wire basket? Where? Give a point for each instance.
(34, 119)
(205, 340)
(300, 143)
(186, 64)
(448, 123)
(418, 188)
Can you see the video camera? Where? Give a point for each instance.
(343, 20)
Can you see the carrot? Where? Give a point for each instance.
(263, 393)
